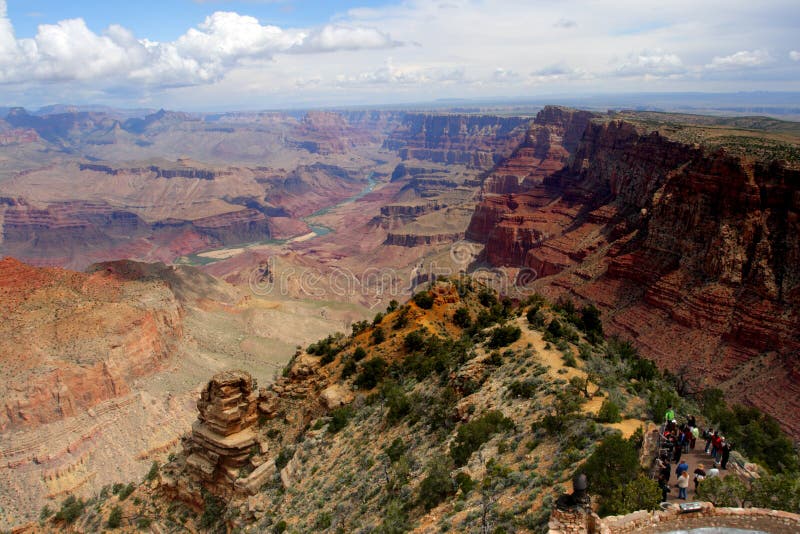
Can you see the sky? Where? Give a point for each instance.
(266, 54)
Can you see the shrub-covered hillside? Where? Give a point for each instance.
(458, 411)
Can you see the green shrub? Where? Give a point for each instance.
(359, 354)
(280, 527)
(414, 341)
(464, 483)
(424, 300)
(472, 435)
(535, 317)
(213, 508)
(339, 418)
(438, 355)
(525, 389)
(372, 372)
(591, 324)
(125, 492)
(727, 492)
(378, 336)
(360, 326)
(641, 494)
(554, 329)
(462, 318)
(283, 458)
(71, 509)
(396, 449)
(348, 368)
(323, 521)
(436, 485)
(401, 320)
(777, 492)
(438, 411)
(153, 473)
(143, 523)
(393, 304)
(487, 298)
(504, 335)
(612, 465)
(114, 518)
(397, 402)
(45, 513)
(609, 412)
(395, 519)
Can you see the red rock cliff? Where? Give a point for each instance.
(693, 254)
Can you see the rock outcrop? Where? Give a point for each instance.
(222, 438)
(675, 242)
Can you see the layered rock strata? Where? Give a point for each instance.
(222, 438)
(477, 141)
(694, 254)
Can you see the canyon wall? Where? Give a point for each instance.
(72, 340)
(692, 253)
(477, 141)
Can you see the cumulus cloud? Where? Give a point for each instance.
(332, 37)
(69, 50)
(741, 59)
(558, 72)
(405, 75)
(651, 63)
(794, 55)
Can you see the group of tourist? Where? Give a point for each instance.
(718, 447)
(677, 439)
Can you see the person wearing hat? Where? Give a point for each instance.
(699, 475)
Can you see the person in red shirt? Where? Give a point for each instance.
(716, 443)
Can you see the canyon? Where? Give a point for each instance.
(690, 249)
(151, 252)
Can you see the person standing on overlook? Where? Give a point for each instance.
(683, 484)
(669, 415)
(726, 452)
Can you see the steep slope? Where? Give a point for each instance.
(101, 368)
(428, 426)
(691, 250)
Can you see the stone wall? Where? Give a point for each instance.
(580, 522)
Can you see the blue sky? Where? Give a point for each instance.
(168, 19)
(256, 54)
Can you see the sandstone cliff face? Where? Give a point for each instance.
(72, 340)
(477, 141)
(693, 254)
(548, 143)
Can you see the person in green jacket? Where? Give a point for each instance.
(670, 415)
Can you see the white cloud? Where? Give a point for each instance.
(741, 59)
(405, 75)
(565, 23)
(558, 72)
(334, 37)
(70, 51)
(461, 48)
(654, 63)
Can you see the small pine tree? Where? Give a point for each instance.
(114, 518)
